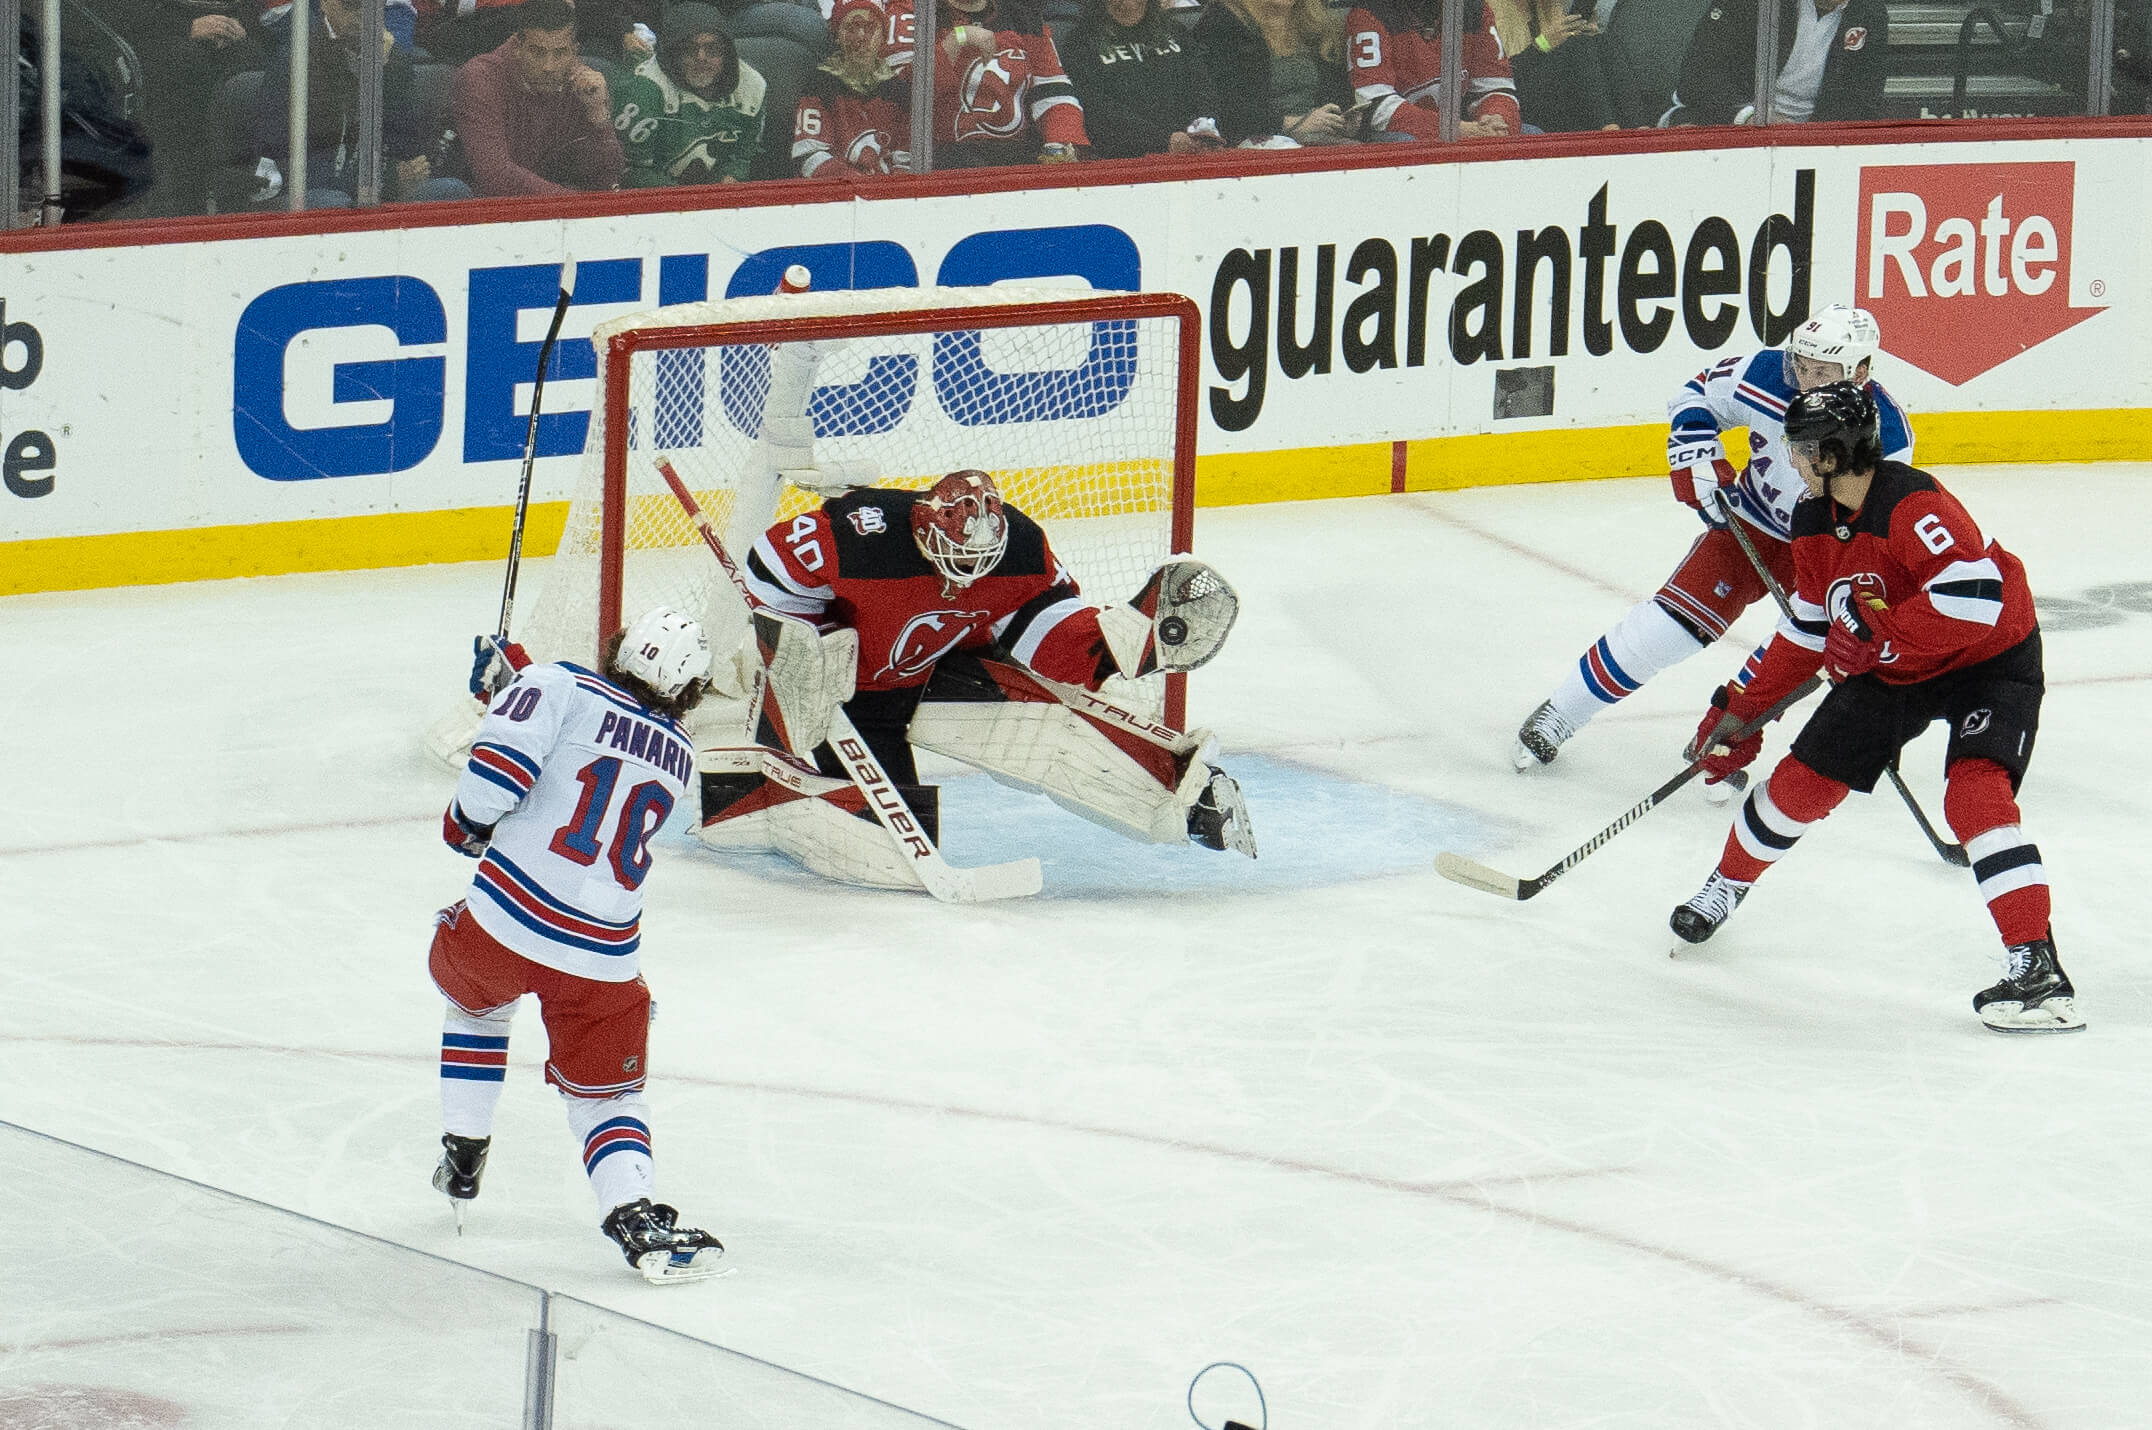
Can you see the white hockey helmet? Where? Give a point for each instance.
(665, 650)
(1847, 336)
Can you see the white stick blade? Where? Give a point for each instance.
(1019, 879)
(1472, 875)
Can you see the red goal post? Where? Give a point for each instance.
(1082, 405)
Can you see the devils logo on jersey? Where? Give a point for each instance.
(992, 106)
(1838, 604)
(925, 639)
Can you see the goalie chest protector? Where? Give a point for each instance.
(889, 592)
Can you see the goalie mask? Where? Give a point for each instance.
(665, 650)
(959, 526)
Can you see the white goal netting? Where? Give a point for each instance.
(1076, 402)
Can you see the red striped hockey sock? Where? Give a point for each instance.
(1776, 814)
(1984, 814)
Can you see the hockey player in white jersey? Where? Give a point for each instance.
(1715, 581)
(571, 775)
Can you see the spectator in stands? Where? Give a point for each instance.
(1560, 63)
(693, 112)
(1396, 50)
(1144, 90)
(186, 51)
(1000, 96)
(854, 118)
(533, 117)
(1831, 66)
(1278, 70)
(332, 116)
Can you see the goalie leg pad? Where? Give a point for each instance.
(1095, 760)
(759, 799)
(805, 675)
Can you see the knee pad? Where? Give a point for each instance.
(1801, 794)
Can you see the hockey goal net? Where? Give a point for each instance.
(1081, 405)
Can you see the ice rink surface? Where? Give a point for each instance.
(1413, 1155)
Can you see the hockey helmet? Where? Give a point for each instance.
(1837, 420)
(665, 650)
(1838, 334)
(959, 526)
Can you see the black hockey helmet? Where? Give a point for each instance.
(1838, 420)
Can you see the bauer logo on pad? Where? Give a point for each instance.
(1967, 265)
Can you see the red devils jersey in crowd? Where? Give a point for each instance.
(854, 563)
(836, 131)
(995, 98)
(1395, 58)
(1953, 597)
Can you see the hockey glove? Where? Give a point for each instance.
(494, 663)
(1695, 483)
(1852, 647)
(1724, 718)
(469, 840)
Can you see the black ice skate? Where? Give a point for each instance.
(1710, 906)
(1542, 734)
(463, 1162)
(1219, 817)
(2035, 995)
(646, 1234)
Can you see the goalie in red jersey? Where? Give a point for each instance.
(1917, 617)
(946, 623)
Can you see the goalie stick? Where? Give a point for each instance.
(1018, 879)
(1475, 875)
(1952, 853)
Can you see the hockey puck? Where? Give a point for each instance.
(1173, 630)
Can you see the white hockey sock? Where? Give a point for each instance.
(1644, 642)
(474, 1067)
(615, 1133)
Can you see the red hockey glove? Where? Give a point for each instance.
(494, 663)
(469, 840)
(1726, 715)
(1694, 484)
(1852, 646)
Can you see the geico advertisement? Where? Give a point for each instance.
(277, 379)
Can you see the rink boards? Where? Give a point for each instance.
(316, 394)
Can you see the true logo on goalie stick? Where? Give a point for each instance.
(925, 639)
(867, 520)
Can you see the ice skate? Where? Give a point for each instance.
(463, 1162)
(1712, 905)
(664, 1252)
(1219, 817)
(1540, 737)
(2034, 996)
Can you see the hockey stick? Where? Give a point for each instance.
(1478, 876)
(530, 446)
(1018, 879)
(1952, 853)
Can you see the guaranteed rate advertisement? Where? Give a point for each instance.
(319, 377)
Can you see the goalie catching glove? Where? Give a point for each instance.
(1177, 622)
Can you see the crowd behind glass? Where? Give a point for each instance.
(170, 108)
